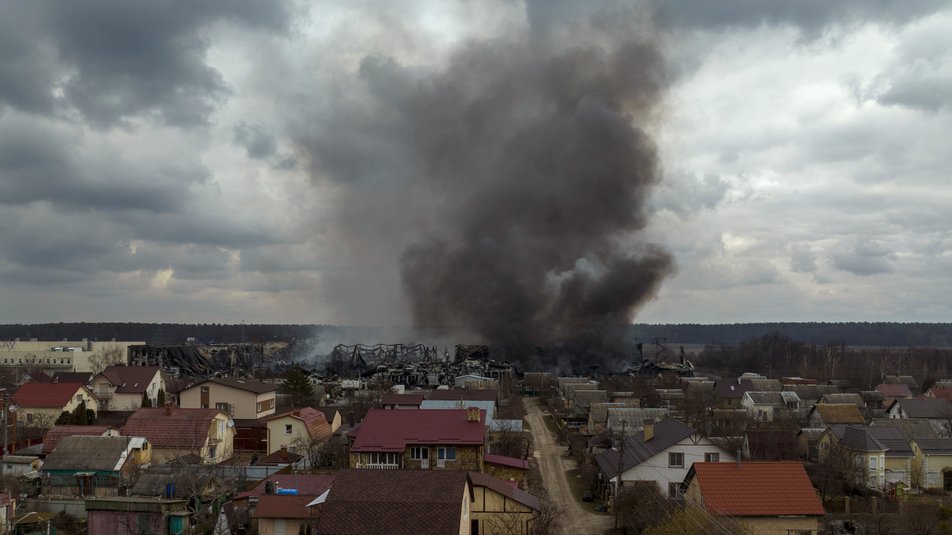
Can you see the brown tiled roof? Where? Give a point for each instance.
(46, 395)
(314, 420)
(130, 379)
(58, 432)
(395, 502)
(835, 413)
(752, 488)
(249, 385)
(282, 506)
(183, 428)
(506, 489)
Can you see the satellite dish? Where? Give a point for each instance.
(231, 423)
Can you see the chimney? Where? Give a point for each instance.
(739, 455)
(472, 414)
(649, 430)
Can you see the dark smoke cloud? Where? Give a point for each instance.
(512, 181)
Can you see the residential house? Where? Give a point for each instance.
(874, 402)
(766, 498)
(662, 453)
(123, 387)
(91, 466)
(771, 405)
(239, 398)
(494, 424)
(937, 412)
(631, 420)
(424, 439)
(298, 430)
(581, 400)
(824, 414)
(238, 515)
(939, 392)
(730, 392)
(909, 428)
(844, 398)
(770, 445)
(498, 508)
(280, 514)
(807, 442)
(398, 502)
(392, 400)
(881, 455)
(566, 383)
(134, 515)
(40, 404)
(934, 461)
(333, 417)
(507, 468)
(892, 392)
(174, 432)
(281, 457)
(907, 380)
(598, 413)
(19, 465)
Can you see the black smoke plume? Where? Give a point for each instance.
(512, 183)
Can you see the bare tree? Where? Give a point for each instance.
(310, 448)
(110, 355)
(548, 519)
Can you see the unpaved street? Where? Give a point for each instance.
(553, 462)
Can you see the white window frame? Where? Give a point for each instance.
(671, 458)
(446, 453)
(712, 457)
(416, 453)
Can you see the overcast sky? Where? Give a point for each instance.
(157, 159)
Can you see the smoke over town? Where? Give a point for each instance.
(512, 182)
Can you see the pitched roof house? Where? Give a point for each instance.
(892, 392)
(934, 455)
(425, 439)
(662, 453)
(764, 497)
(246, 399)
(174, 432)
(397, 502)
(122, 387)
(40, 404)
(882, 453)
(297, 430)
(58, 432)
(824, 414)
(93, 465)
(499, 507)
(770, 405)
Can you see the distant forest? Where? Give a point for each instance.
(904, 335)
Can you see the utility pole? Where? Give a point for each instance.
(621, 464)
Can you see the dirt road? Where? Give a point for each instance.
(553, 462)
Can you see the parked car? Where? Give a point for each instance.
(588, 497)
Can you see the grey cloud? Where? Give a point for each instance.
(928, 93)
(862, 256)
(258, 143)
(26, 82)
(122, 59)
(685, 194)
(802, 259)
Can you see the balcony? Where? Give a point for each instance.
(379, 466)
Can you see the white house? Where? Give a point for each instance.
(768, 406)
(663, 453)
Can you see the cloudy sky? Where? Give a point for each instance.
(166, 161)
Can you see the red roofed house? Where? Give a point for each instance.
(892, 392)
(297, 430)
(268, 506)
(764, 497)
(437, 438)
(40, 404)
(174, 432)
(507, 468)
(120, 388)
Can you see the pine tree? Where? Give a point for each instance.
(160, 398)
(146, 402)
(299, 387)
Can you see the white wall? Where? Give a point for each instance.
(656, 468)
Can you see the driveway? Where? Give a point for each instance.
(553, 462)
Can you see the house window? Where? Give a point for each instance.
(417, 453)
(384, 458)
(288, 429)
(675, 460)
(872, 464)
(674, 490)
(212, 449)
(712, 457)
(224, 407)
(448, 454)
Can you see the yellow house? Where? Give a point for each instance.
(934, 462)
(244, 399)
(499, 508)
(764, 497)
(40, 404)
(120, 388)
(297, 430)
(175, 432)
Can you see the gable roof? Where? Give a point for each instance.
(284, 506)
(47, 395)
(130, 379)
(935, 446)
(753, 488)
(396, 502)
(510, 491)
(941, 392)
(410, 400)
(667, 433)
(844, 398)
(732, 388)
(72, 377)
(633, 418)
(314, 420)
(925, 408)
(388, 430)
(89, 453)
(182, 428)
(58, 432)
(909, 428)
(587, 397)
(248, 385)
(866, 438)
(894, 390)
(839, 413)
(281, 456)
(502, 460)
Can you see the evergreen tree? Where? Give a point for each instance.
(299, 387)
(79, 416)
(160, 398)
(146, 402)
